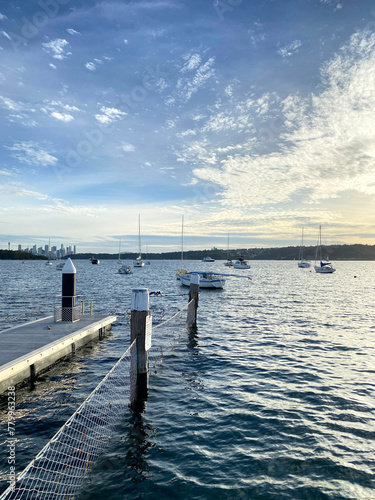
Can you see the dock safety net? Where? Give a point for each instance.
(63, 465)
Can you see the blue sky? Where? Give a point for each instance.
(249, 118)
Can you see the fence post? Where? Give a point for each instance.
(193, 307)
(139, 313)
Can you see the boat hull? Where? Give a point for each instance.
(303, 264)
(203, 282)
(324, 270)
(241, 266)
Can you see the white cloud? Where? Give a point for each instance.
(31, 153)
(109, 115)
(2, 17)
(7, 103)
(4, 33)
(324, 145)
(57, 48)
(189, 85)
(73, 32)
(6, 172)
(52, 66)
(290, 49)
(64, 117)
(127, 148)
(91, 66)
(192, 63)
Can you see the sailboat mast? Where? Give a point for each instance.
(139, 234)
(302, 246)
(182, 238)
(320, 242)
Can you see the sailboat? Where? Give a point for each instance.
(326, 266)
(119, 253)
(138, 262)
(302, 262)
(228, 262)
(181, 271)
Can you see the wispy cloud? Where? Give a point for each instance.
(189, 84)
(109, 115)
(63, 117)
(90, 66)
(57, 48)
(290, 49)
(329, 135)
(71, 31)
(127, 148)
(32, 153)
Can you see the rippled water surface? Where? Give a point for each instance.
(272, 398)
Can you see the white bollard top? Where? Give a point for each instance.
(139, 299)
(69, 267)
(194, 278)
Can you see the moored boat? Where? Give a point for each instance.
(325, 267)
(240, 263)
(206, 280)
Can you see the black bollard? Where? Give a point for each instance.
(68, 291)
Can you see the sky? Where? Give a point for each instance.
(252, 119)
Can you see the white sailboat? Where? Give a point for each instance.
(302, 262)
(138, 262)
(325, 267)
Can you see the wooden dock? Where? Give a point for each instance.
(31, 348)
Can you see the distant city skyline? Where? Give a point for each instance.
(249, 118)
(50, 251)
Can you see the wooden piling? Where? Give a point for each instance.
(139, 314)
(193, 307)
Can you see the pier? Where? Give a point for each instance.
(29, 349)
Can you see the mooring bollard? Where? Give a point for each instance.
(140, 329)
(68, 300)
(193, 307)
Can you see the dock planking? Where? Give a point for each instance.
(29, 349)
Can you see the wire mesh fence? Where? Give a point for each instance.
(62, 466)
(65, 463)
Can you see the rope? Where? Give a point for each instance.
(178, 312)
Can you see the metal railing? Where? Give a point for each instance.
(69, 312)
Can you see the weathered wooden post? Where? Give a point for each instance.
(68, 301)
(140, 329)
(193, 307)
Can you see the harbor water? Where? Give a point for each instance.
(271, 398)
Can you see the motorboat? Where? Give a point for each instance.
(240, 263)
(208, 259)
(93, 260)
(48, 263)
(60, 266)
(325, 267)
(206, 280)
